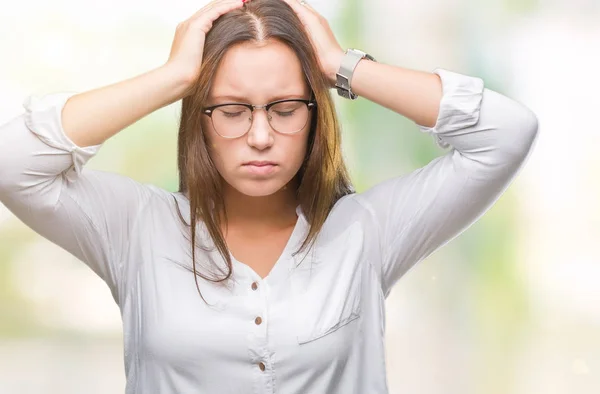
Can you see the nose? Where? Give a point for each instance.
(260, 135)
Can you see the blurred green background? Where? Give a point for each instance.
(512, 306)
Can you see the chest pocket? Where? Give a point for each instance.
(327, 288)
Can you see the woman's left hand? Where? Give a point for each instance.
(329, 51)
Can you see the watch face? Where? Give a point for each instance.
(342, 81)
(347, 94)
(343, 92)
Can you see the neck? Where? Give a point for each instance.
(260, 213)
(264, 212)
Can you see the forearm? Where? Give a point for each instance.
(92, 117)
(448, 105)
(413, 94)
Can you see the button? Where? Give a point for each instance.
(261, 366)
(254, 285)
(258, 320)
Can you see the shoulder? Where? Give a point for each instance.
(348, 212)
(349, 208)
(163, 200)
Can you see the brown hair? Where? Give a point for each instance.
(322, 178)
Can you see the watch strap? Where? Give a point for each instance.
(346, 71)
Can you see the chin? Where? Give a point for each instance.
(258, 188)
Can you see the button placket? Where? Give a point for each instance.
(258, 292)
(258, 320)
(261, 314)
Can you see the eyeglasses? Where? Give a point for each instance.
(233, 120)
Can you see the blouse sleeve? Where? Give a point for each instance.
(44, 183)
(489, 136)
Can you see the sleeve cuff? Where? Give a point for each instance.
(460, 104)
(43, 117)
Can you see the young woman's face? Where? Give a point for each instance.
(258, 75)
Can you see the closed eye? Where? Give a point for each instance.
(232, 114)
(285, 114)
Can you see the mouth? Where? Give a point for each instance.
(260, 163)
(260, 167)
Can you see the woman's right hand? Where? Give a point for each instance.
(188, 45)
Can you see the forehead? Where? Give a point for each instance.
(259, 73)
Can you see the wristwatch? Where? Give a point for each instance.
(344, 75)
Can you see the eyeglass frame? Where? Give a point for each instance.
(208, 111)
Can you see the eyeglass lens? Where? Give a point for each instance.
(235, 120)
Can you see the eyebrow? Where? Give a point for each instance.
(246, 100)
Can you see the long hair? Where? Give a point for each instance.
(322, 178)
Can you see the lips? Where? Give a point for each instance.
(260, 163)
(260, 168)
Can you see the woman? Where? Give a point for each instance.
(292, 266)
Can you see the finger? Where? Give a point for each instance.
(307, 6)
(218, 4)
(205, 19)
(300, 9)
(306, 15)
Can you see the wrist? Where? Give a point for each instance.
(334, 66)
(180, 81)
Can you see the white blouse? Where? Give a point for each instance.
(315, 324)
